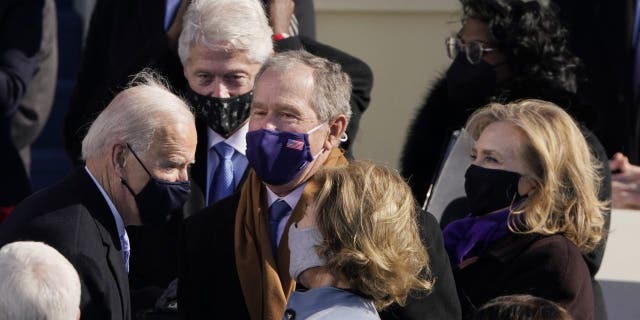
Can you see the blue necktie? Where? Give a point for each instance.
(277, 211)
(222, 184)
(124, 243)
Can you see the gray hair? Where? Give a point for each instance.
(37, 282)
(134, 115)
(332, 86)
(229, 25)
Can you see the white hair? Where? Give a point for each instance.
(134, 115)
(229, 25)
(37, 282)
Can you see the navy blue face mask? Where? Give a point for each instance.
(158, 199)
(279, 156)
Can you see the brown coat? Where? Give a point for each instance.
(551, 267)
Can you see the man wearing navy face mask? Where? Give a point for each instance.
(137, 153)
(299, 114)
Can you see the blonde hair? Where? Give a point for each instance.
(564, 171)
(366, 215)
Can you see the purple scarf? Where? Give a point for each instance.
(470, 236)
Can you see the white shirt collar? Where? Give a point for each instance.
(114, 211)
(237, 140)
(291, 199)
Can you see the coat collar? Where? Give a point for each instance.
(106, 228)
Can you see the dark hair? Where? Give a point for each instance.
(533, 39)
(521, 307)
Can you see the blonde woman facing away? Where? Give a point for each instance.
(357, 249)
(532, 189)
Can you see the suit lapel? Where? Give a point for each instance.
(106, 227)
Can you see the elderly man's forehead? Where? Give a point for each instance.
(302, 73)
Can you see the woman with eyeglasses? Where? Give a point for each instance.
(506, 50)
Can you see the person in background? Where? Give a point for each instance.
(521, 307)
(533, 195)
(610, 53)
(137, 155)
(506, 50)
(299, 112)
(625, 183)
(28, 68)
(38, 282)
(357, 248)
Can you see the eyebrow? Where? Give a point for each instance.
(278, 107)
(489, 152)
(204, 70)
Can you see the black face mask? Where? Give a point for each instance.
(470, 85)
(489, 190)
(222, 115)
(158, 199)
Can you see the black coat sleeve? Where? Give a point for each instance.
(124, 37)
(86, 100)
(594, 258)
(442, 302)
(427, 139)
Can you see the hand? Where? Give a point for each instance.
(625, 195)
(280, 12)
(625, 186)
(173, 33)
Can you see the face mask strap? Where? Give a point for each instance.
(315, 128)
(139, 161)
(126, 184)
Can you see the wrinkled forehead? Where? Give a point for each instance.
(174, 139)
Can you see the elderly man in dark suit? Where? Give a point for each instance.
(137, 153)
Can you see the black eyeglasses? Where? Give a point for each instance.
(473, 49)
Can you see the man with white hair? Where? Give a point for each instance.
(38, 283)
(137, 153)
(222, 46)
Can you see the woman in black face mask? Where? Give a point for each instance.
(506, 50)
(533, 194)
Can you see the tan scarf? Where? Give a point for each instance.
(265, 282)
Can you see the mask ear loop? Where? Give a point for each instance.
(126, 184)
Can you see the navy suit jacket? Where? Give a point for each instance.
(73, 217)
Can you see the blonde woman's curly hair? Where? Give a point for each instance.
(367, 217)
(565, 171)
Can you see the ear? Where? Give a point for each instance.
(337, 127)
(526, 185)
(118, 154)
(184, 71)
